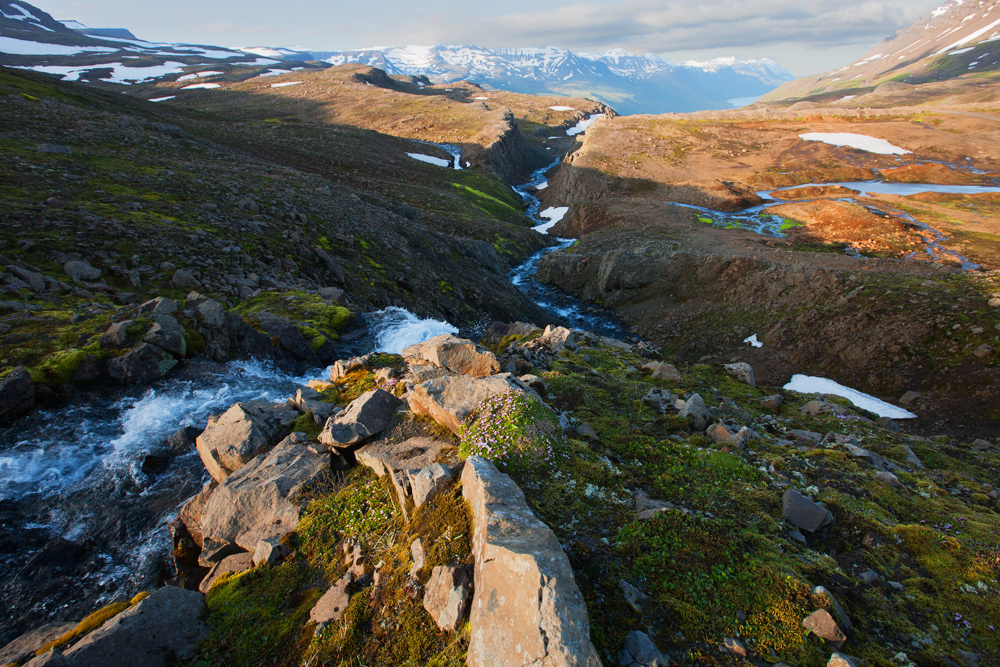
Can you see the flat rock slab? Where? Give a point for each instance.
(334, 602)
(156, 632)
(365, 417)
(24, 647)
(447, 595)
(234, 564)
(415, 453)
(803, 512)
(821, 623)
(244, 431)
(257, 502)
(457, 355)
(527, 609)
(449, 400)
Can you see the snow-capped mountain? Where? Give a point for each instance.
(630, 83)
(959, 37)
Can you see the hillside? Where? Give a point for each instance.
(949, 52)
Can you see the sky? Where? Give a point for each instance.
(806, 36)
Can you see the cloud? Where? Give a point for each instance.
(674, 25)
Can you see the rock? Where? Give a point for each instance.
(35, 280)
(807, 437)
(307, 400)
(773, 403)
(742, 371)
(818, 407)
(803, 512)
(415, 453)
(117, 335)
(160, 630)
(449, 400)
(17, 394)
(331, 294)
(527, 608)
(640, 651)
(909, 398)
(447, 595)
(238, 562)
(23, 648)
(558, 339)
(419, 558)
(158, 306)
(696, 412)
(584, 431)
(980, 445)
(244, 431)
(841, 660)
(53, 658)
(212, 314)
(983, 351)
(821, 624)
(824, 596)
(79, 271)
(454, 354)
(191, 511)
(660, 400)
(258, 501)
(870, 577)
(663, 371)
(888, 478)
(536, 383)
(418, 373)
(911, 458)
(734, 647)
(647, 508)
(634, 597)
(167, 333)
(365, 417)
(969, 658)
(184, 279)
(342, 367)
(426, 483)
(334, 602)
(142, 364)
(995, 302)
(269, 552)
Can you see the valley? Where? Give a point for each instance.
(308, 361)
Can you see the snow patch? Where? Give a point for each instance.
(430, 159)
(554, 214)
(20, 47)
(562, 108)
(286, 83)
(162, 99)
(861, 142)
(805, 384)
(202, 86)
(752, 340)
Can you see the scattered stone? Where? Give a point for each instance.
(269, 552)
(983, 351)
(365, 417)
(660, 400)
(803, 512)
(558, 339)
(980, 445)
(909, 398)
(259, 501)
(34, 280)
(536, 383)
(807, 437)
(912, 458)
(447, 596)
(457, 355)
(415, 453)
(663, 371)
(142, 364)
(819, 407)
(334, 602)
(870, 577)
(527, 608)
(158, 306)
(646, 508)
(773, 403)
(841, 660)
(640, 651)
(449, 400)
(742, 371)
(167, 334)
(419, 558)
(969, 658)
(54, 148)
(584, 431)
(333, 295)
(342, 367)
(734, 647)
(825, 597)
(234, 564)
(184, 279)
(23, 648)
(157, 632)
(244, 431)
(797, 536)
(426, 483)
(696, 412)
(887, 477)
(821, 624)
(80, 271)
(634, 597)
(17, 394)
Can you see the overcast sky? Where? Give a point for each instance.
(806, 36)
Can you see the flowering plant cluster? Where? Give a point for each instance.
(514, 432)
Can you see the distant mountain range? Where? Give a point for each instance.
(629, 83)
(29, 37)
(958, 38)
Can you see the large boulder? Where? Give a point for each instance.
(455, 354)
(191, 511)
(23, 648)
(79, 271)
(803, 512)
(158, 631)
(821, 624)
(640, 651)
(17, 394)
(696, 412)
(365, 417)
(742, 371)
(449, 400)
(447, 595)
(259, 501)
(142, 364)
(244, 431)
(167, 333)
(527, 609)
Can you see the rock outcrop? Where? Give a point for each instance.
(457, 355)
(449, 400)
(241, 433)
(366, 416)
(527, 609)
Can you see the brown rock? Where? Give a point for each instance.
(455, 354)
(821, 624)
(334, 602)
(449, 400)
(365, 417)
(742, 371)
(190, 513)
(23, 648)
(244, 431)
(663, 371)
(983, 351)
(527, 609)
(447, 595)
(735, 647)
(239, 562)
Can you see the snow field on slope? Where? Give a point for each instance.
(805, 384)
(862, 142)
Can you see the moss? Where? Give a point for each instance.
(352, 385)
(306, 424)
(300, 306)
(194, 340)
(57, 369)
(89, 623)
